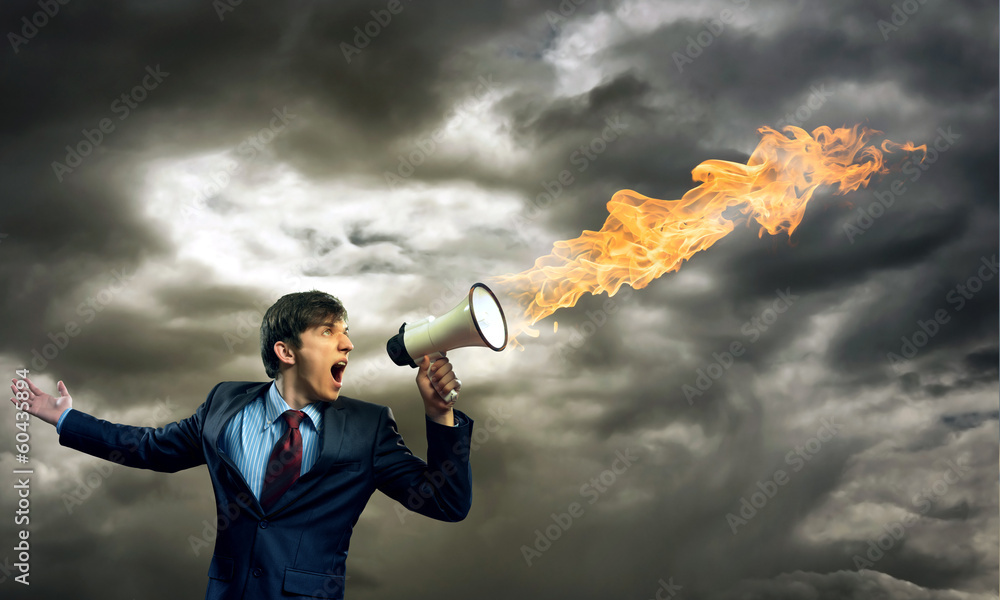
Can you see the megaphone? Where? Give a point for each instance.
(478, 320)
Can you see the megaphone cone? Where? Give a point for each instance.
(477, 320)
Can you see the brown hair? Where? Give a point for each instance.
(291, 315)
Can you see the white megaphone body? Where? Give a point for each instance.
(477, 320)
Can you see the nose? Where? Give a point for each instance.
(345, 343)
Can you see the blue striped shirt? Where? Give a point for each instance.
(252, 433)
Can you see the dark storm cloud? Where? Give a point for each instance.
(608, 380)
(586, 112)
(968, 420)
(204, 300)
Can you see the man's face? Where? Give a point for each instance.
(321, 361)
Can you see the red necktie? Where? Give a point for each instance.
(285, 462)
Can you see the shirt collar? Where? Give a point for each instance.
(275, 406)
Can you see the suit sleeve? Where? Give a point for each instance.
(168, 449)
(440, 488)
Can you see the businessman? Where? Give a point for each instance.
(292, 462)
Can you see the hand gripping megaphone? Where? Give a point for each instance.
(478, 320)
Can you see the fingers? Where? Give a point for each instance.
(442, 377)
(441, 372)
(30, 388)
(19, 389)
(33, 392)
(445, 382)
(440, 369)
(34, 388)
(20, 403)
(440, 366)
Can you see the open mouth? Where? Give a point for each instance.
(338, 371)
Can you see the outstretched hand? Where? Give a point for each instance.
(435, 381)
(35, 402)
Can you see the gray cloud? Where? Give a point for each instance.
(304, 203)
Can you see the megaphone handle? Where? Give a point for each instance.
(434, 356)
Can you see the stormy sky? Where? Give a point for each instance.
(804, 417)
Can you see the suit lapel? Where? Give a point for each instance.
(216, 428)
(334, 421)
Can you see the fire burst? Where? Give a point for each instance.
(643, 237)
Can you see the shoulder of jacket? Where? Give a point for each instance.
(234, 387)
(360, 406)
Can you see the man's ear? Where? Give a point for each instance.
(285, 352)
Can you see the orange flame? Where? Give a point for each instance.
(643, 237)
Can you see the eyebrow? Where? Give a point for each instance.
(333, 325)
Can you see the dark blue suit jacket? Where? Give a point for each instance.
(299, 547)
